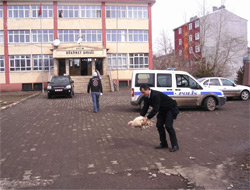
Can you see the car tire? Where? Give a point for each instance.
(49, 96)
(71, 94)
(210, 104)
(244, 95)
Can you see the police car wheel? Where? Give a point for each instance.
(210, 104)
(244, 95)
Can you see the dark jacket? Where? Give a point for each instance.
(95, 85)
(160, 103)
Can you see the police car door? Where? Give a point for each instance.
(164, 83)
(186, 92)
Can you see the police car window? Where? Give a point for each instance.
(145, 78)
(226, 82)
(164, 80)
(214, 82)
(182, 81)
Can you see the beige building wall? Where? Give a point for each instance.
(74, 23)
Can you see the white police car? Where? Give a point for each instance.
(179, 85)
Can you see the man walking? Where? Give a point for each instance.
(96, 90)
(167, 111)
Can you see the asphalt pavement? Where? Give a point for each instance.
(61, 143)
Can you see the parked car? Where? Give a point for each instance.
(229, 88)
(61, 85)
(179, 85)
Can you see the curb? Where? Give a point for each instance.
(15, 103)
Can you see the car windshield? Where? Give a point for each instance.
(60, 80)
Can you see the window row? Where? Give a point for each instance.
(197, 50)
(71, 11)
(119, 61)
(25, 63)
(46, 36)
(45, 62)
(190, 38)
(190, 26)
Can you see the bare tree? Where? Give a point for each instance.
(163, 56)
(223, 41)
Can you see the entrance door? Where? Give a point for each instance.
(86, 67)
(98, 65)
(74, 67)
(62, 68)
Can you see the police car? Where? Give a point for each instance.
(179, 85)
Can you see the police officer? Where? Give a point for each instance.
(167, 111)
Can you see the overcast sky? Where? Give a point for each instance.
(170, 14)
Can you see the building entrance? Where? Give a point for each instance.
(80, 67)
(62, 68)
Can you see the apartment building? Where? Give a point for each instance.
(218, 38)
(39, 39)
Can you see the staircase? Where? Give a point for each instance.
(81, 83)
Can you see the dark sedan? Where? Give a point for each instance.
(61, 85)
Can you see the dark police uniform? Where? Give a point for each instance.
(165, 107)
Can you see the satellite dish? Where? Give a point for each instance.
(56, 42)
(79, 40)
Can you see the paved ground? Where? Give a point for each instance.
(61, 144)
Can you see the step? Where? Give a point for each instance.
(81, 83)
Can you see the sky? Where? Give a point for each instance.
(170, 14)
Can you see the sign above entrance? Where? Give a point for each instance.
(78, 52)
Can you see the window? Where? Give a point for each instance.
(91, 35)
(190, 26)
(91, 11)
(138, 12)
(180, 42)
(138, 60)
(18, 11)
(47, 11)
(180, 30)
(19, 36)
(190, 50)
(1, 11)
(180, 52)
(164, 80)
(68, 35)
(1, 36)
(197, 49)
(43, 61)
(42, 36)
(67, 11)
(115, 60)
(2, 65)
(145, 78)
(115, 12)
(184, 81)
(138, 35)
(20, 63)
(226, 82)
(197, 24)
(214, 82)
(197, 36)
(190, 37)
(116, 36)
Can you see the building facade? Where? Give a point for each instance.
(219, 38)
(39, 39)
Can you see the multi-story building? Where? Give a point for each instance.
(39, 39)
(219, 39)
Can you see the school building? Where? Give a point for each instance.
(40, 39)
